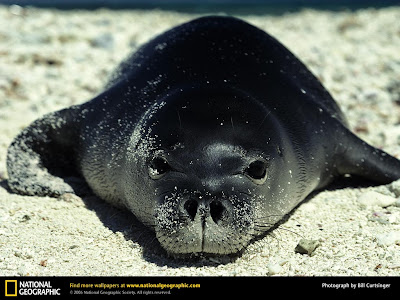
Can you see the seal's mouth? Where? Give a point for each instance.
(190, 223)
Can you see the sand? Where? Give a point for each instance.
(51, 59)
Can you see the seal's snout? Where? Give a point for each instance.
(216, 209)
(190, 222)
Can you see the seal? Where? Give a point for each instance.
(209, 134)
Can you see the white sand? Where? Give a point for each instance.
(52, 59)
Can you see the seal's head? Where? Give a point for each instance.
(214, 168)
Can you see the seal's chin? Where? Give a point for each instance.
(202, 241)
(186, 225)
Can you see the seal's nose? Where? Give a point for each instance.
(215, 209)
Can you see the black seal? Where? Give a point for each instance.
(210, 133)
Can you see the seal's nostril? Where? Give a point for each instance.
(216, 210)
(191, 208)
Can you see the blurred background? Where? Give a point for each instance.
(201, 6)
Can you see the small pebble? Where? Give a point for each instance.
(395, 187)
(389, 238)
(372, 198)
(274, 269)
(16, 10)
(394, 266)
(306, 246)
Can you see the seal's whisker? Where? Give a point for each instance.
(289, 230)
(164, 193)
(263, 120)
(270, 216)
(179, 118)
(264, 227)
(245, 193)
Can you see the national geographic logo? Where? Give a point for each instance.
(11, 288)
(15, 288)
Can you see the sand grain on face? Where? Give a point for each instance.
(53, 59)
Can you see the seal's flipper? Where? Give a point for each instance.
(364, 160)
(41, 159)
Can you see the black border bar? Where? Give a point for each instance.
(196, 286)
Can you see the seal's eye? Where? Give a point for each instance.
(158, 167)
(257, 171)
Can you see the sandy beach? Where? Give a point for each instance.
(52, 59)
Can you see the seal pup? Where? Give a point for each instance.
(210, 133)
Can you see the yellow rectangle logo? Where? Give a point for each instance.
(11, 288)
